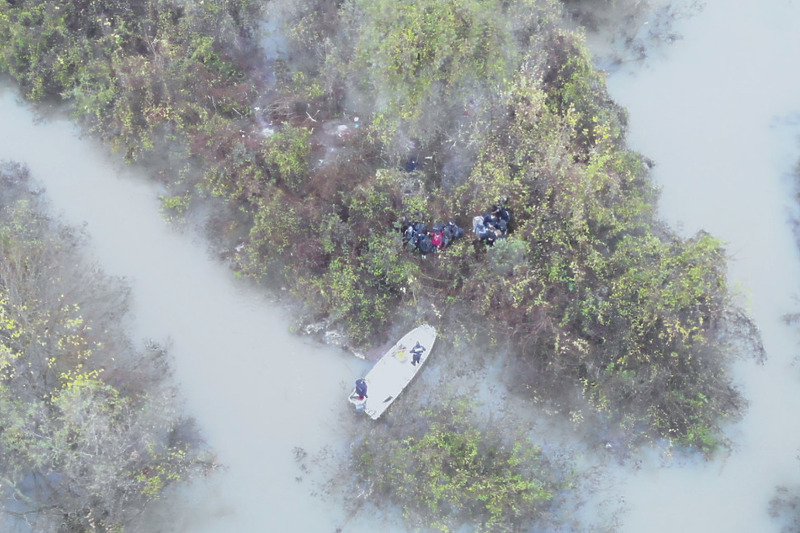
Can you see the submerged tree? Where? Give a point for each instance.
(91, 426)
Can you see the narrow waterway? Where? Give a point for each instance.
(261, 395)
(716, 105)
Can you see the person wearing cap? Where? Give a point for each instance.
(416, 353)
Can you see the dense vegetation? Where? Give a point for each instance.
(91, 429)
(493, 98)
(459, 474)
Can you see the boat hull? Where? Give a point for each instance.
(393, 372)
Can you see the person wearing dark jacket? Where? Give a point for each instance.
(416, 353)
(425, 244)
(409, 234)
(361, 388)
(457, 231)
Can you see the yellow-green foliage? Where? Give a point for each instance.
(78, 452)
(452, 472)
(134, 69)
(286, 153)
(599, 292)
(423, 62)
(496, 99)
(405, 47)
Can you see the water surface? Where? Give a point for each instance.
(259, 393)
(717, 110)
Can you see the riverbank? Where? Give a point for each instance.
(718, 116)
(244, 376)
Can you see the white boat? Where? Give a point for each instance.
(393, 372)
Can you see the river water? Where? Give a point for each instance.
(716, 105)
(259, 393)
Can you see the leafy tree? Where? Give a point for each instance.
(432, 70)
(287, 154)
(603, 296)
(448, 472)
(91, 428)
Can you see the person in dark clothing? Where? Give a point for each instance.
(410, 237)
(409, 233)
(456, 230)
(416, 353)
(489, 236)
(416, 235)
(361, 389)
(447, 236)
(503, 216)
(502, 226)
(412, 234)
(425, 244)
(450, 232)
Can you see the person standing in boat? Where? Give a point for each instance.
(361, 389)
(416, 353)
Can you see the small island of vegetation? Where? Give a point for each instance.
(366, 115)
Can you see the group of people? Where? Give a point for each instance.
(488, 228)
(417, 236)
(493, 225)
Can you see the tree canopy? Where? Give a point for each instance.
(91, 429)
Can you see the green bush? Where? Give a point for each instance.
(448, 472)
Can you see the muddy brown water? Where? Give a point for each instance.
(263, 397)
(714, 100)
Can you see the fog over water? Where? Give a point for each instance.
(257, 391)
(718, 111)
